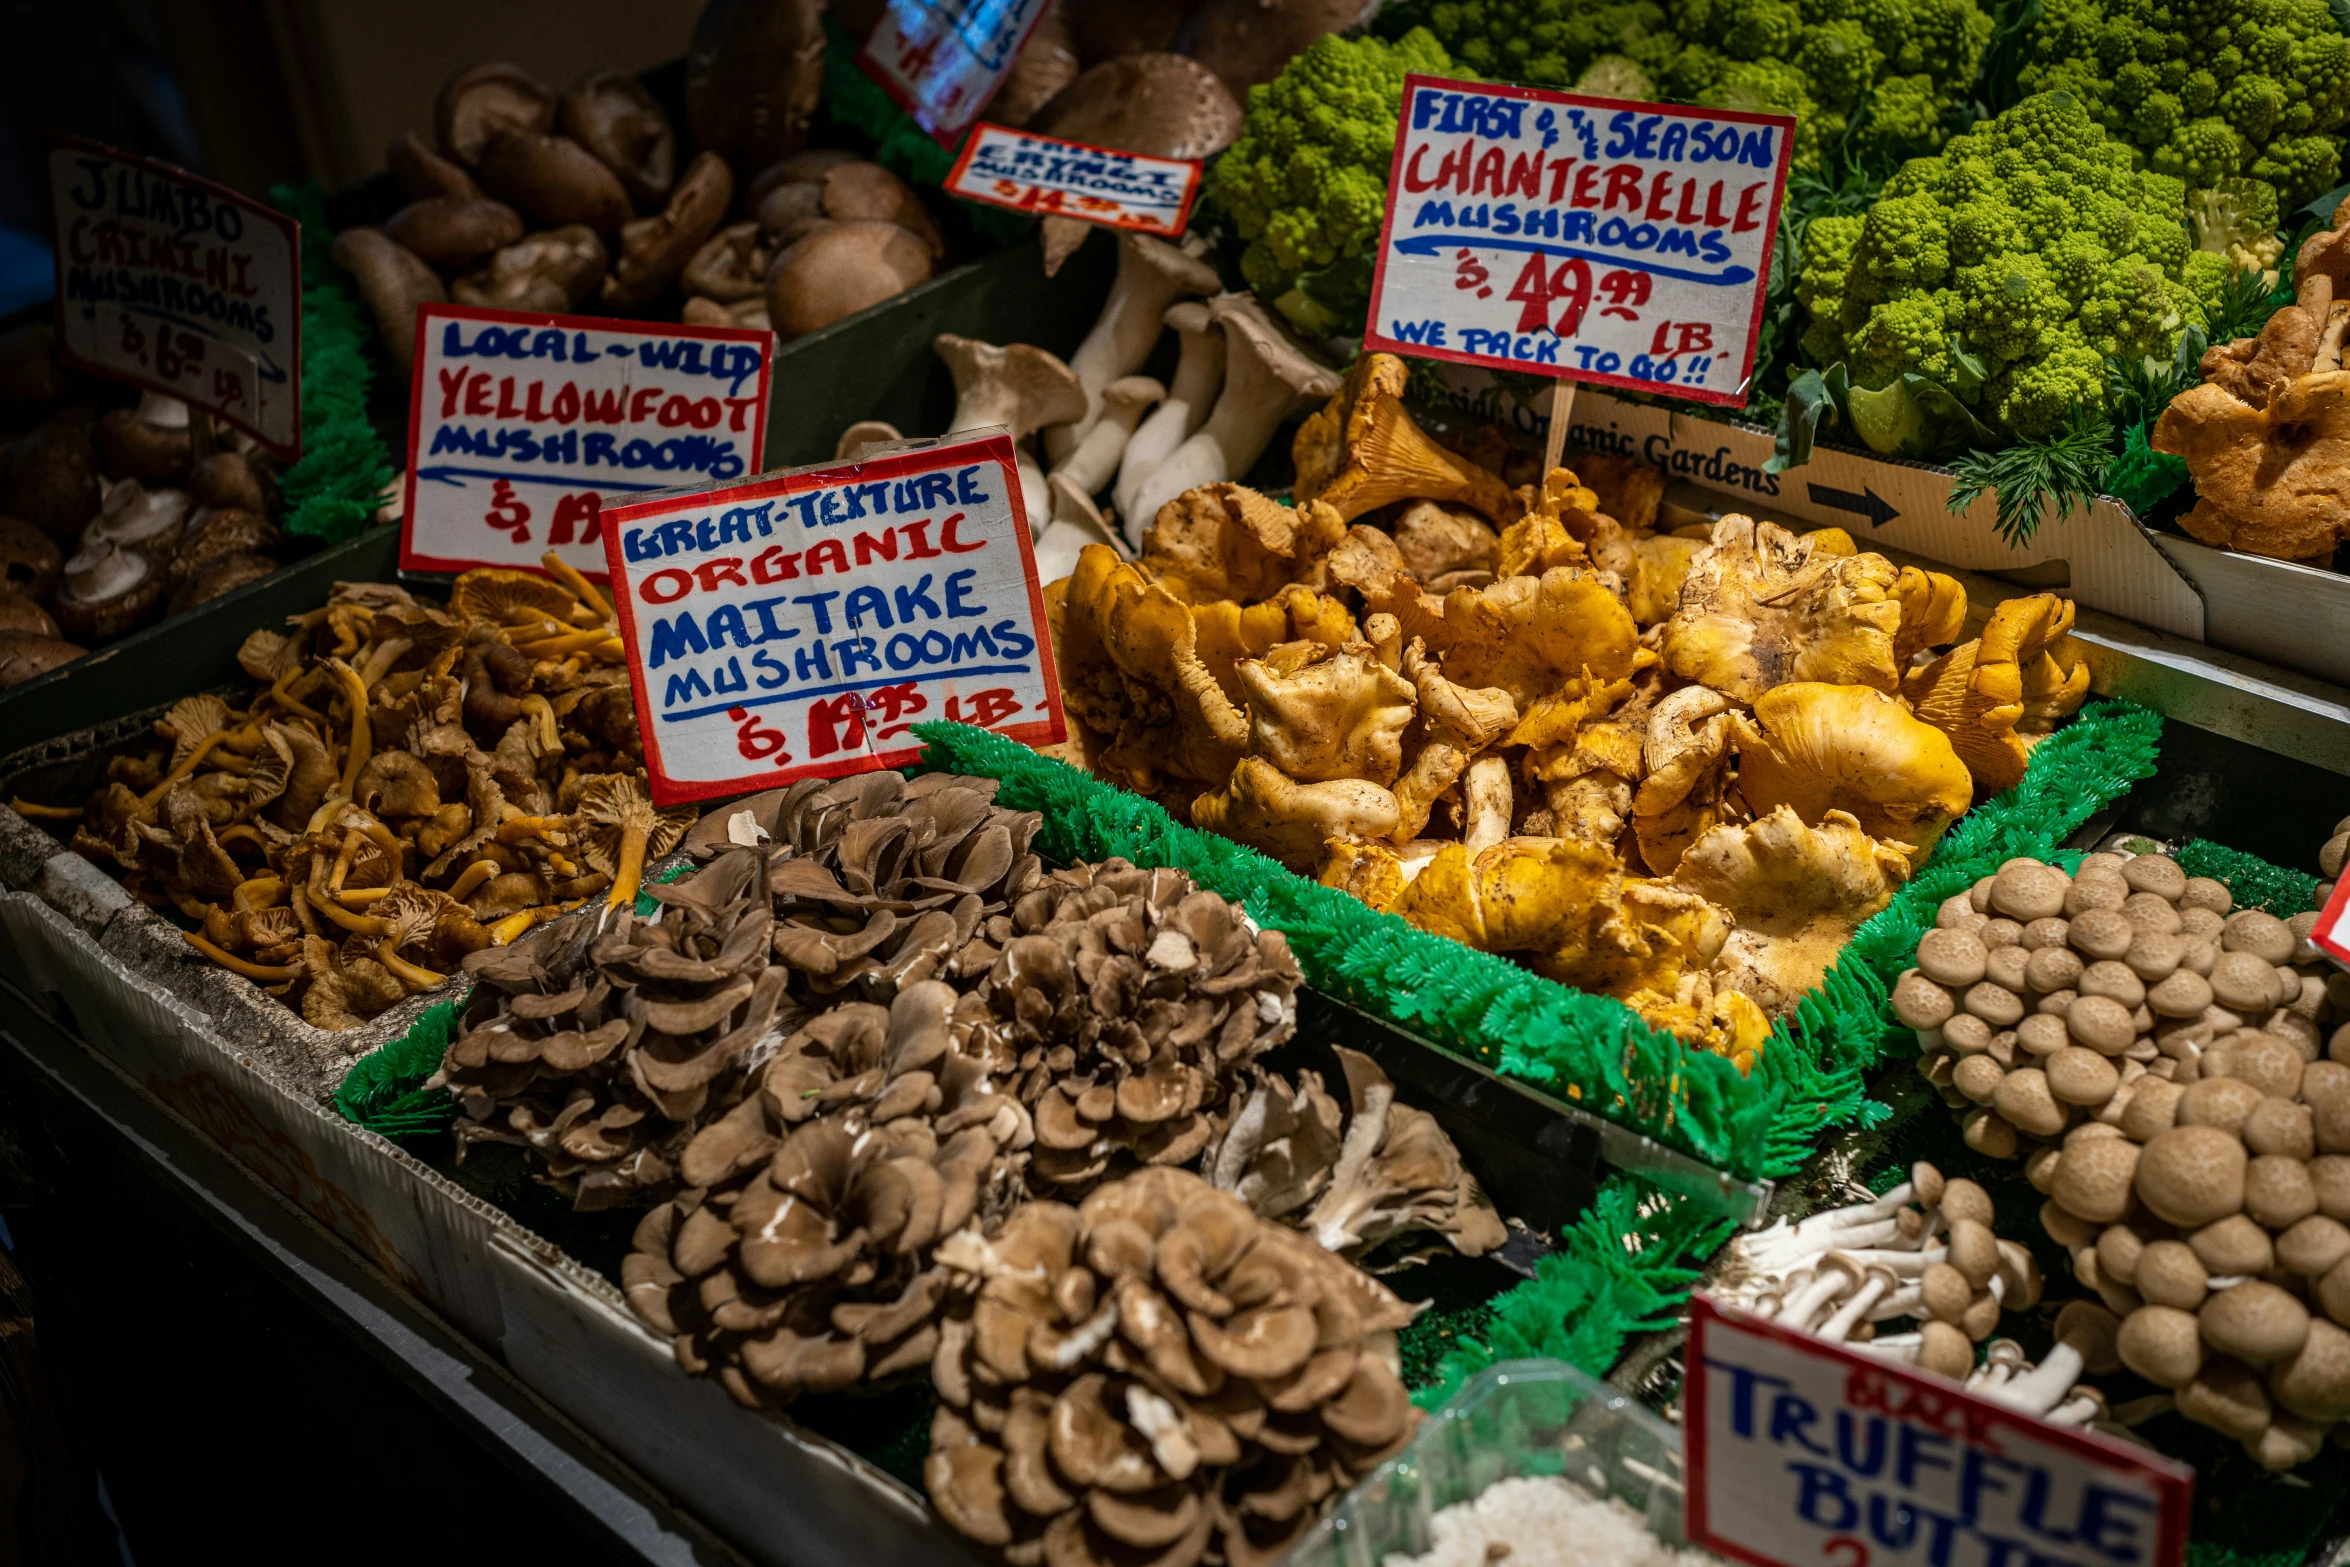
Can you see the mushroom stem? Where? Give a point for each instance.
(277, 693)
(1487, 804)
(629, 865)
(49, 813)
(471, 877)
(356, 924)
(518, 829)
(581, 589)
(236, 965)
(1893, 1346)
(569, 642)
(184, 766)
(1854, 1307)
(1152, 275)
(1076, 522)
(1266, 379)
(1198, 374)
(1094, 461)
(550, 734)
(362, 732)
(1806, 1301)
(352, 839)
(409, 974)
(262, 892)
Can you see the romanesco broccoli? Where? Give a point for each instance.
(2032, 249)
(1306, 183)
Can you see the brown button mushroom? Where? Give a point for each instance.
(1920, 1003)
(2313, 1246)
(2161, 1344)
(2242, 981)
(2170, 1274)
(2054, 968)
(2278, 1192)
(488, 101)
(2109, 977)
(109, 590)
(1978, 1077)
(2153, 1108)
(2090, 892)
(2101, 1023)
(2000, 931)
(2184, 993)
(2314, 1382)
(2150, 912)
(2006, 967)
(612, 116)
(2157, 874)
(2259, 933)
(2222, 1102)
(231, 479)
(2329, 1177)
(21, 617)
(2254, 1321)
(2279, 1126)
(2029, 890)
(2227, 1396)
(654, 250)
(151, 443)
(2100, 934)
(1994, 1004)
(451, 233)
(2024, 1101)
(2191, 1175)
(553, 182)
(393, 280)
(30, 561)
(1954, 958)
(2093, 1180)
(840, 271)
(2232, 1245)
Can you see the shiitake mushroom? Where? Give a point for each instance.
(218, 532)
(108, 589)
(30, 561)
(216, 576)
(49, 477)
(24, 655)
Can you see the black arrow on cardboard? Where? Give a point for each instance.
(1868, 503)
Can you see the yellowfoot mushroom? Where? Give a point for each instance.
(623, 829)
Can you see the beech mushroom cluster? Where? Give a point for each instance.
(110, 521)
(2160, 1060)
(1353, 1177)
(1678, 771)
(584, 201)
(1156, 1374)
(407, 784)
(851, 889)
(1121, 1007)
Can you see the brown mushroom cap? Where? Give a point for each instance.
(840, 271)
(30, 561)
(754, 76)
(2191, 1175)
(21, 617)
(859, 192)
(450, 233)
(2093, 1181)
(2227, 1396)
(2254, 1321)
(2170, 1274)
(731, 266)
(49, 478)
(218, 575)
(558, 270)
(231, 479)
(422, 173)
(554, 182)
(654, 250)
(611, 115)
(1165, 105)
(24, 655)
(2161, 1344)
(393, 280)
(476, 106)
(2232, 1245)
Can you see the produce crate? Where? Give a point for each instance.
(2279, 612)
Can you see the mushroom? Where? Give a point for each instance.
(841, 270)
(217, 531)
(1797, 894)
(1021, 387)
(22, 617)
(1226, 541)
(1246, 42)
(1092, 463)
(730, 267)
(1046, 63)
(151, 443)
(49, 478)
(422, 173)
(1266, 380)
(553, 182)
(754, 74)
(1076, 522)
(134, 517)
(1199, 372)
(612, 116)
(553, 272)
(1819, 748)
(30, 561)
(232, 479)
(2085, 1342)
(451, 233)
(1363, 451)
(1152, 275)
(475, 106)
(1761, 607)
(624, 830)
(654, 250)
(25, 655)
(1163, 105)
(394, 280)
(108, 590)
(218, 575)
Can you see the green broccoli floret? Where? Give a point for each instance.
(1306, 183)
(1770, 87)
(2300, 167)
(2034, 398)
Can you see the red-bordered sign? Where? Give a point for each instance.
(524, 427)
(1802, 1453)
(2332, 932)
(942, 60)
(798, 626)
(1044, 174)
(1618, 244)
(168, 281)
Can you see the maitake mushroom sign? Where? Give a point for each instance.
(801, 625)
(1623, 244)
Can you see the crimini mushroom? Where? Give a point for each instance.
(394, 280)
(49, 477)
(1267, 378)
(1157, 1370)
(840, 270)
(1020, 387)
(1152, 275)
(108, 589)
(654, 250)
(1199, 372)
(150, 443)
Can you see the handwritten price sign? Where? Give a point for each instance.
(1030, 173)
(799, 626)
(179, 285)
(1804, 1453)
(943, 59)
(522, 428)
(1625, 244)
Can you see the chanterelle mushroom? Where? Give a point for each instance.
(1156, 1371)
(1363, 451)
(1761, 607)
(1822, 748)
(1226, 541)
(1796, 893)
(1988, 694)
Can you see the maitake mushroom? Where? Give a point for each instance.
(1121, 1008)
(2157, 1057)
(1157, 1371)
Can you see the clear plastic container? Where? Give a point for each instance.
(1520, 1417)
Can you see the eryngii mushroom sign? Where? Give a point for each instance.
(1031, 173)
(1620, 244)
(800, 625)
(524, 427)
(1802, 1451)
(179, 285)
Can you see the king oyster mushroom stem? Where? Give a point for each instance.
(1152, 275)
(1094, 462)
(1020, 387)
(1267, 378)
(1076, 522)
(1199, 372)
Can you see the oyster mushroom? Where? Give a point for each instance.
(1093, 462)
(1821, 748)
(394, 280)
(553, 182)
(612, 116)
(841, 270)
(487, 101)
(1363, 451)
(1152, 275)
(1021, 387)
(1199, 372)
(451, 233)
(151, 443)
(556, 272)
(654, 250)
(1267, 378)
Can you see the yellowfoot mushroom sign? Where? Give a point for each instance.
(178, 285)
(801, 625)
(1621, 244)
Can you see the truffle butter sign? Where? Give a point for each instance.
(1623, 244)
(179, 285)
(524, 428)
(799, 626)
(1803, 1453)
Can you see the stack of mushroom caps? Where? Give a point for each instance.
(1156, 1374)
(2156, 1057)
(408, 784)
(606, 1047)
(112, 520)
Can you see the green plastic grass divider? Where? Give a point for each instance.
(2254, 883)
(384, 1090)
(334, 489)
